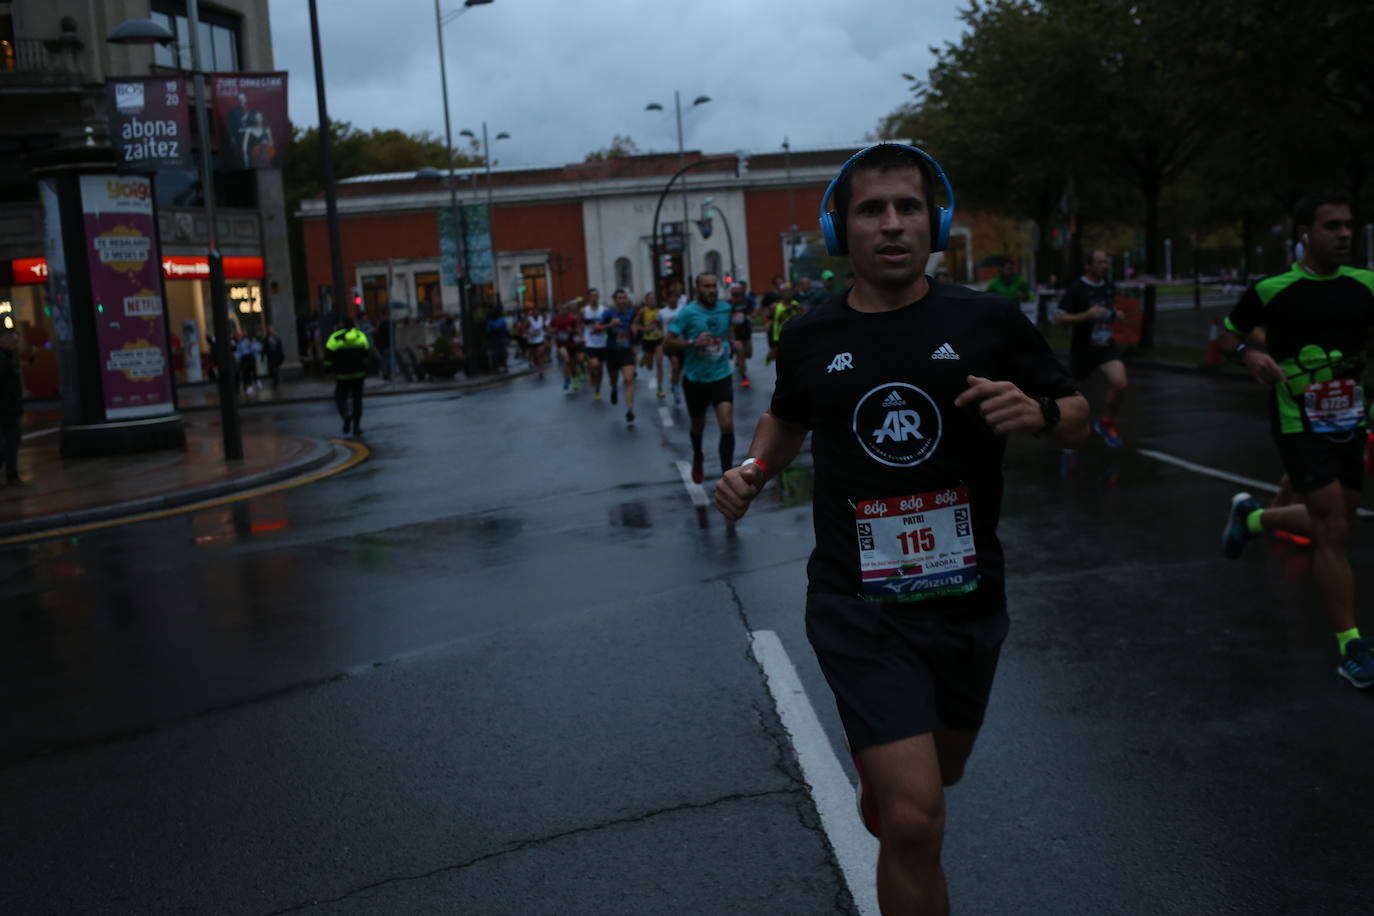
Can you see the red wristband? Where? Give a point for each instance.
(762, 467)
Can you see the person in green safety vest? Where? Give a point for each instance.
(345, 354)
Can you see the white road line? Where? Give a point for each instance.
(855, 850)
(694, 489)
(42, 432)
(1224, 475)
(666, 417)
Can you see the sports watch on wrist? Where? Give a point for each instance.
(1049, 409)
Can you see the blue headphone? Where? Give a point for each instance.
(832, 226)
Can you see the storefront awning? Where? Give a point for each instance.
(29, 271)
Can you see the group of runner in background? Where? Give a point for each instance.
(591, 341)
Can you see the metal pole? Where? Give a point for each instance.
(491, 219)
(686, 219)
(219, 305)
(462, 278)
(331, 204)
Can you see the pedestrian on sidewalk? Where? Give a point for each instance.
(11, 404)
(498, 340)
(247, 351)
(276, 355)
(345, 354)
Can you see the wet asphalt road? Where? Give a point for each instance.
(504, 667)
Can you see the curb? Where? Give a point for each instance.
(323, 453)
(326, 398)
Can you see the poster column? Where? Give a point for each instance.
(104, 285)
(130, 335)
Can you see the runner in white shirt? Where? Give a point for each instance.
(535, 323)
(666, 314)
(593, 340)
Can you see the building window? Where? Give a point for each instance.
(713, 263)
(624, 274)
(428, 299)
(374, 296)
(534, 283)
(219, 38)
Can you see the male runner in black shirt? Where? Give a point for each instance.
(909, 392)
(1089, 306)
(1318, 317)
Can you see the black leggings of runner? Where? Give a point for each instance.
(344, 389)
(727, 451)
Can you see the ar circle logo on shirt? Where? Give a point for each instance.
(897, 424)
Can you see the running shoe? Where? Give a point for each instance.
(615, 395)
(662, 394)
(698, 468)
(677, 397)
(567, 384)
(1237, 532)
(629, 418)
(744, 382)
(1357, 665)
(598, 395)
(1107, 430)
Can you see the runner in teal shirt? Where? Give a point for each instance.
(701, 332)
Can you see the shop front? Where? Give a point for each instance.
(186, 279)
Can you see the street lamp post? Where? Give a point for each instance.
(147, 32)
(681, 155)
(464, 316)
(491, 235)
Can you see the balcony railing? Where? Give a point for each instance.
(51, 57)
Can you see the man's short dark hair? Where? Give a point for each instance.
(1306, 210)
(885, 157)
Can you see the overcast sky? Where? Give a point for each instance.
(562, 77)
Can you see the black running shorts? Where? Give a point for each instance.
(901, 670)
(616, 357)
(743, 331)
(596, 353)
(1085, 360)
(648, 346)
(1312, 461)
(701, 395)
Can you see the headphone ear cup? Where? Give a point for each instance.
(941, 240)
(834, 238)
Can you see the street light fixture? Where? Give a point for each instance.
(464, 318)
(677, 107)
(148, 32)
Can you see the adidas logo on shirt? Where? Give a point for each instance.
(944, 351)
(894, 400)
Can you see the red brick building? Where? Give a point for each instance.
(558, 230)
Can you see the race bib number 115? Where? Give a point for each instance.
(916, 547)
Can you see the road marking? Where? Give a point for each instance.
(358, 456)
(42, 432)
(831, 791)
(694, 489)
(666, 417)
(1224, 475)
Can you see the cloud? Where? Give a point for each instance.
(563, 78)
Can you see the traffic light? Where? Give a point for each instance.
(729, 279)
(665, 267)
(741, 163)
(357, 297)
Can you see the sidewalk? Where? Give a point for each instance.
(205, 395)
(63, 492)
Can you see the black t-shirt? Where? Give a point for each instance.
(1297, 310)
(877, 391)
(740, 312)
(1081, 295)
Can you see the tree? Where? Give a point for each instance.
(620, 147)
